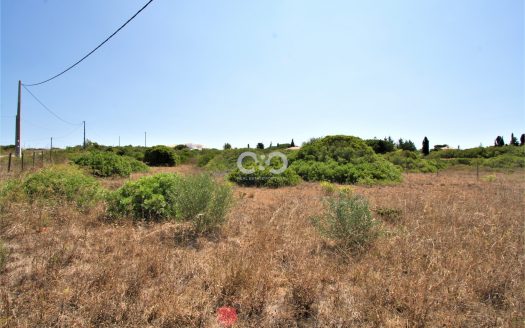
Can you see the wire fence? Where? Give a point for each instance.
(30, 160)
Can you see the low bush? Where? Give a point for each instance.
(130, 151)
(363, 173)
(328, 187)
(506, 161)
(206, 155)
(340, 149)
(479, 152)
(198, 199)
(10, 191)
(331, 189)
(161, 156)
(265, 178)
(203, 201)
(348, 221)
(343, 159)
(413, 161)
(106, 164)
(62, 184)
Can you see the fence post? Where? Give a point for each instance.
(9, 163)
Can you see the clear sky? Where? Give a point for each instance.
(240, 71)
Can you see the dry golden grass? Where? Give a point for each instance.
(452, 256)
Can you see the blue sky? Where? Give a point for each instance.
(244, 72)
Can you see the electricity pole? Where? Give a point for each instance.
(145, 139)
(119, 141)
(84, 144)
(18, 133)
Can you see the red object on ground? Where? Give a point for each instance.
(227, 316)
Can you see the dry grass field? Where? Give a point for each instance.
(450, 254)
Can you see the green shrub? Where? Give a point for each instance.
(198, 199)
(505, 161)
(161, 156)
(363, 173)
(206, 155)
(149, 198)
(62, 184)
(130, 151)
(265, 178)
(413, 161)
(203, 201)
(341, 149)
(343, 159)
(106, 164)
(10, 190)
(479, 152)
(328, 187)
(348, 221)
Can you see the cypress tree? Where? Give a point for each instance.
(426, 146)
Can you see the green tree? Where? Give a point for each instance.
(260, 145)
(227, 146)
(292, 144)
(161, 156)
(499, 142)
(426, 146)
(406, 145)
(381, 146)
(522, 139)
(513, 140)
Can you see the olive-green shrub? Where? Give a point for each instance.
(198, 199)
(107, 164)
(414, 162)
(161, 156)
(60, 184)
(343, 159)
(348, 221)
(265, 178)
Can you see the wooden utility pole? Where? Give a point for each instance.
(18, 132)
(51, 151)
(84, 143)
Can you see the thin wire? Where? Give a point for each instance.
(47, 108)
(68, 134)
(92, 51)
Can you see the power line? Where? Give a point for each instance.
(92, 51)
(48, 109)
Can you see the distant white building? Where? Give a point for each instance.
(194, 146)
